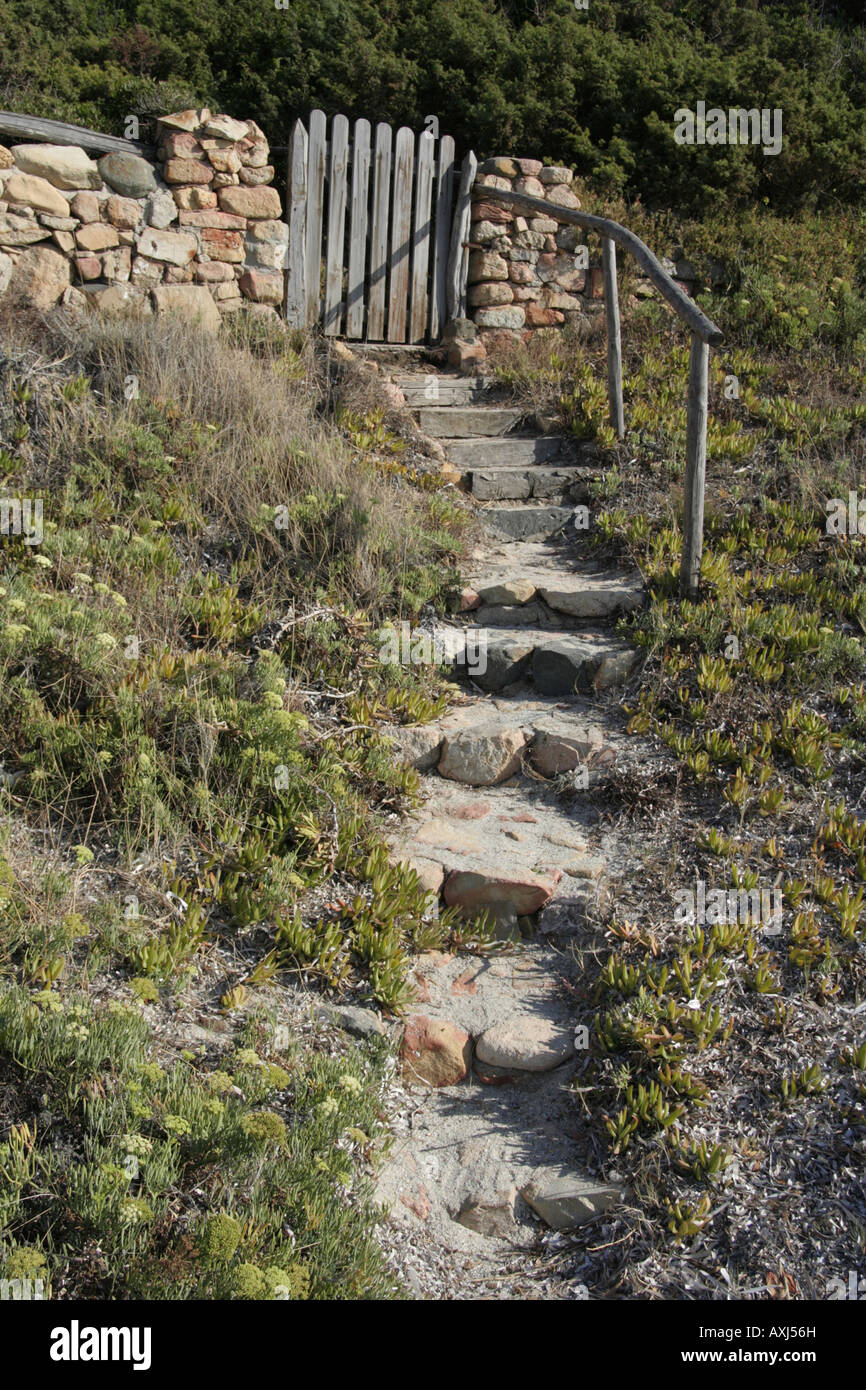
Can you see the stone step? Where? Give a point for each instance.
(468, 422)
(486, 742)
(511, 451)
(434, 390)
(527, 523)
(574, 595)
(512, 848)
(556, 663)
(514, 483)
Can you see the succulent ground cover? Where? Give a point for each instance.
(729, 1053)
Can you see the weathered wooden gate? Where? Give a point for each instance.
(373, 264)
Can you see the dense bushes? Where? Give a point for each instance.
(596, 88)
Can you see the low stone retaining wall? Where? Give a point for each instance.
(528, 272)
(196, 231)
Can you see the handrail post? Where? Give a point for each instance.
(458, 255)
(614, 339)
(696, 460)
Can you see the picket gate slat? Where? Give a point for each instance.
(379, 235)
(401, 234)
(441, 236)
(358, 229)
(338, 166)
(315, 212)
(296, 267)
(421, 229)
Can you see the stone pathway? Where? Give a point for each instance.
(484, 1160)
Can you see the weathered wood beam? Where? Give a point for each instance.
(614, 339)
(458, 256)
(25, 129)
(696, 461)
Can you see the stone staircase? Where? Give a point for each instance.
(487, 1059)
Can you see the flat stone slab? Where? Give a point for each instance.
(558, 664)
(569, 664)
(520, 483)
(530, 574)
(525, 1043)
(492, 886)
(566, 1201)
(468, 422)
(527, 523)
(593, 596)
(499, 453)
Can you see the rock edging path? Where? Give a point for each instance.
(484, 1156)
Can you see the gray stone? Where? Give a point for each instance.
(594, 597)
(160, 210)
(510, 316)
(363, 1023)
(558, 747)
(128, 174)
(565, 1202)
(487, 265)
(507, 661)
(615, 668)
(58, 224)
(496, 484)
(506, 452)
(459, 331)
(454, 422)
(506, 591)
(527, 523)
(20, 231)
(418, 745)
(481, 756)
(555, 173)
(559, 668)
(510, 615)
(526, 1042)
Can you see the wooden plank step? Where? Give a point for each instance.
(469, 422)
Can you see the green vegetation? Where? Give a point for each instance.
(195, 773)
(749, 723)
(179, 1179)
(595, 88)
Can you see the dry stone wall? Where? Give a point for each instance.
(526, 272)
(197, 231)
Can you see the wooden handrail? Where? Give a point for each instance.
(677, 298)
(705, 334)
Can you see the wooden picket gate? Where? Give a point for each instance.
(373, 265)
